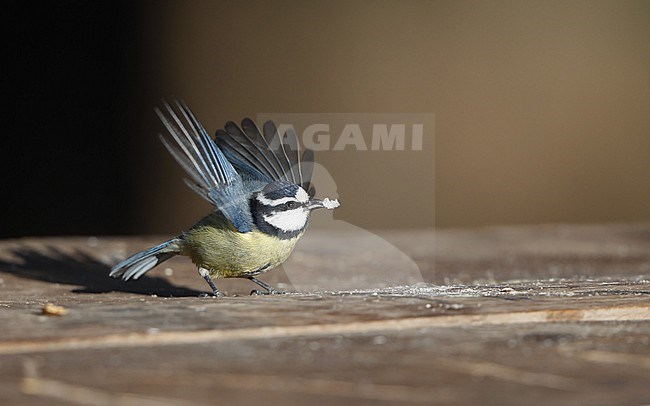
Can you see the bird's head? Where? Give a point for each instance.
(282, 209)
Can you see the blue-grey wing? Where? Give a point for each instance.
(213, 177)
(266, 155)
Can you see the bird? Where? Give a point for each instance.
(259, 185)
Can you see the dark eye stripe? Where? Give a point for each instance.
(290, 205)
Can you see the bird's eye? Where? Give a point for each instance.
(292, 205)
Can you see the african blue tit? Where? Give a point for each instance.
(260, 186)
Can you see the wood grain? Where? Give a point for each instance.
(541, 315)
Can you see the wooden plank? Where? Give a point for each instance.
(546, 314)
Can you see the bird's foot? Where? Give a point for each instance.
(206, 276)
(213, 295)
(271, 291)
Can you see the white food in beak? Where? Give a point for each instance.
(330, 204)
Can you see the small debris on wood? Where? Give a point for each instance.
(50, 309)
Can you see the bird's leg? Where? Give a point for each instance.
(206, 275)
(269, 289)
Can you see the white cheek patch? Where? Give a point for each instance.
(289, 220)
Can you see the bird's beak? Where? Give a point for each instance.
(323, 204)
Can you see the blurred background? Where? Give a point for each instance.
(541, 108)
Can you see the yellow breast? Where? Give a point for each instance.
(226, 253)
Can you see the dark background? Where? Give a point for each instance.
(541, 107)
(72, 73)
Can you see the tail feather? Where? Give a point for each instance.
(138, 264)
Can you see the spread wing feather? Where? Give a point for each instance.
(213, 177)
(307, 170)
(264, 155)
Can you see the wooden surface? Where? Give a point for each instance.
(512, 315)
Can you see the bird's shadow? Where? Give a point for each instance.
(53, 265)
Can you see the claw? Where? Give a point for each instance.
(256, 292)
(211, 295)
(269, 290)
